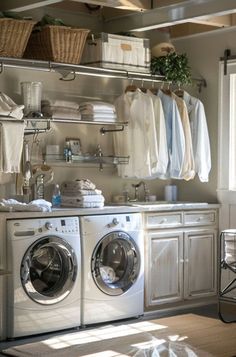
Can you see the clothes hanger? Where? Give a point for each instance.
(142, 88)
(131, 87)
(179, 92)
(153, 89)
(167, 91)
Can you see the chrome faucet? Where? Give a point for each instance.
(136, 191)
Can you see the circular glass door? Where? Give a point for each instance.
(115, 263)
(49, 270)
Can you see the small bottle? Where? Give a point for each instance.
(56, 196)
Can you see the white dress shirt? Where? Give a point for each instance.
(138, 140)
(200, 136)
(175, 136)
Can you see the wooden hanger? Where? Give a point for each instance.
(179, 92)
(153, 89)
(142, 88)
(167, 90)
(131, 87)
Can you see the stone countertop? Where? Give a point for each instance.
(114, 209)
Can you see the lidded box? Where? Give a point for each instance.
(118, 52)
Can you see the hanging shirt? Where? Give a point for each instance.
(138, 141)
(162, 164)
(188, 169)
(175, 136)
(200, 136)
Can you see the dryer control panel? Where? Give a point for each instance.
(52, 225)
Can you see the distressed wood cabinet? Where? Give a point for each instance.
(180, 256)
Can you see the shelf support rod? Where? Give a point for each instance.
(103, 130)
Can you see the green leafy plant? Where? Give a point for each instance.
(173, 67)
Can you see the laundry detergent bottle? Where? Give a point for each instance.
(56, 196)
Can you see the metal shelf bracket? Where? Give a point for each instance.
(103, 130)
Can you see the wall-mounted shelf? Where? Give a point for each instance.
(65, 69)
(87, 159)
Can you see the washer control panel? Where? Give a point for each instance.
(63, 225)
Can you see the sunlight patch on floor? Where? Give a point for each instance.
(101, 333)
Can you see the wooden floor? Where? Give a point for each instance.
(199, 328)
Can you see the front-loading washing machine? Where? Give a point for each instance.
(113, 267)
(44, 287)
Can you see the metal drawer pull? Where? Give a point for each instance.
(164, 220)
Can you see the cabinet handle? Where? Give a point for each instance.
(199, 219)
(164, 220)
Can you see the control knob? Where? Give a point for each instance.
(114, 223)
(48, 225)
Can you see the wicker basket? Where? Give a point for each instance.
(14, 35)
(57, 43)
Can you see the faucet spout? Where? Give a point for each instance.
(146, 191)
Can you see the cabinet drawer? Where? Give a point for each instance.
(200, 218)
(160, 220)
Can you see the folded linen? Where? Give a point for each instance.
(97, 105)
(12, 205)
(84, 184)
(10, 109)
(60, 103)
(67, 192)
(61, 113)
(84, 204)
(85, 198)
(100, 117)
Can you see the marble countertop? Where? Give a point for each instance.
(114, 208)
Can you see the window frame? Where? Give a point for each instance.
(224, 193)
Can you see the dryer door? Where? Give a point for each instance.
(115, 263)
(48, 270)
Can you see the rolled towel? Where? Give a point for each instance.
(97, 105)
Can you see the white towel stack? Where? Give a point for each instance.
(98, 111)
(61, 109)
(81, 193)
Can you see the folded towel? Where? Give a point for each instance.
(12, 205)
(11, 149)
(60, 103)
(84, 205)
(61, 113)
(85, 198)
(97, 105)
(67, 192)
(79, 185)
(10, 109)
(99, 117)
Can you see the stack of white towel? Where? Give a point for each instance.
(81, 193)
(61, 109)
(98, 111)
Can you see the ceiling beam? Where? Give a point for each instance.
(164, 16)
(24, 5)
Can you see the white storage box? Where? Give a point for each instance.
(118, 52)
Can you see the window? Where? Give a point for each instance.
(227, 134)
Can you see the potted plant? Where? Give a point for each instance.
(174, 67)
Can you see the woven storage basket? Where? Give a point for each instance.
(57, 43)
(14, 35)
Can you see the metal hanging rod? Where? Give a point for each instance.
(71, 69)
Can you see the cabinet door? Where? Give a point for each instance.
(164, 267)
(200, 268)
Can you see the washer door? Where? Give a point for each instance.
(115, 263)
(48, 270)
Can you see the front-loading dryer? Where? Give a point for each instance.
(44, 288)
(113, 267)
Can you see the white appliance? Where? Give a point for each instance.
(44, 257)
(113, 267)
